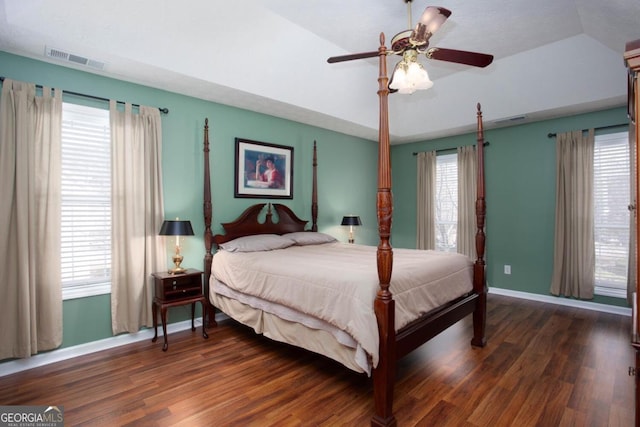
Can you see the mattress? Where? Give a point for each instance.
(332, 287)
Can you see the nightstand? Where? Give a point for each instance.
(172, 290)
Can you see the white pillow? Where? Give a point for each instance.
(258, 242)
(309, 238)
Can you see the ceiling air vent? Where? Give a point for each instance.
(76, 59)
(508, 120)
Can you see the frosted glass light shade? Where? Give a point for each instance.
(409, 76)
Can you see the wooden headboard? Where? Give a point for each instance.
(248, 223)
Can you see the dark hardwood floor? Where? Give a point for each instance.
(544, 365)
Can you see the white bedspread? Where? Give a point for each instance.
(337, 282)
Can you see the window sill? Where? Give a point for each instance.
(74, 292)
(610, 292)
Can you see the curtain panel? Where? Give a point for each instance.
(137, 214)
(30, 150)
(467, 190)
(426, 199)
(574, 250)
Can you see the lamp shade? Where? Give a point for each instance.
(176, 228)
(432, 18)
(409, 77)
(351, 220)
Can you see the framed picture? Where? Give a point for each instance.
(263, 170)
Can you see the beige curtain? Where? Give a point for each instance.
(426, 198)
(137, 214)
(467, 190)
(30, 139)
(574, 252)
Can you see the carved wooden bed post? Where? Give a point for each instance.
(479, 279)
(384, 306)
(208, 317)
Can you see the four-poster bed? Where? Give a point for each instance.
(387, 311)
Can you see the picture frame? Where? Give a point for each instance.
(263, 170)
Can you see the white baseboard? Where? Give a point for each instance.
(588, 305)
(18, 365)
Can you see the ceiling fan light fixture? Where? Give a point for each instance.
(409, 75)
(432, 18)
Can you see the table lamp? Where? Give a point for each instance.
(176, 228)
(351, 221)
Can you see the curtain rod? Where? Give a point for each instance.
(443, 150)
(162, 109)
(551, 135)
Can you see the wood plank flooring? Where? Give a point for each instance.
(544, 365)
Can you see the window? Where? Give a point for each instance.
(611, 217)
(86, 202)
(446, 202)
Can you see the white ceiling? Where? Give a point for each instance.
(552, 57)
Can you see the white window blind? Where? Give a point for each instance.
(446, 202)
(611, 216)
(86, 202)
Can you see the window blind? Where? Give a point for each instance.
(86, 201)
(611, 215)
(446, 202)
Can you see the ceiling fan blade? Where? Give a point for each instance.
(432, 18)
(352, 56)
(460, 56)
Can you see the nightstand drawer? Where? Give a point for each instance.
(179, 289)
(181, 282)
(171, 287)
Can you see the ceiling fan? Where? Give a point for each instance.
(409, 75)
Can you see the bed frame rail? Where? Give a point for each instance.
(417, 333)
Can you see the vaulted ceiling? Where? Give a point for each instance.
(552, 57)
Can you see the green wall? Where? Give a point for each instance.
(89, 319)
(520, 180)
(520, 195)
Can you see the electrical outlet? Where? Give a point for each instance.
(507, 269)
